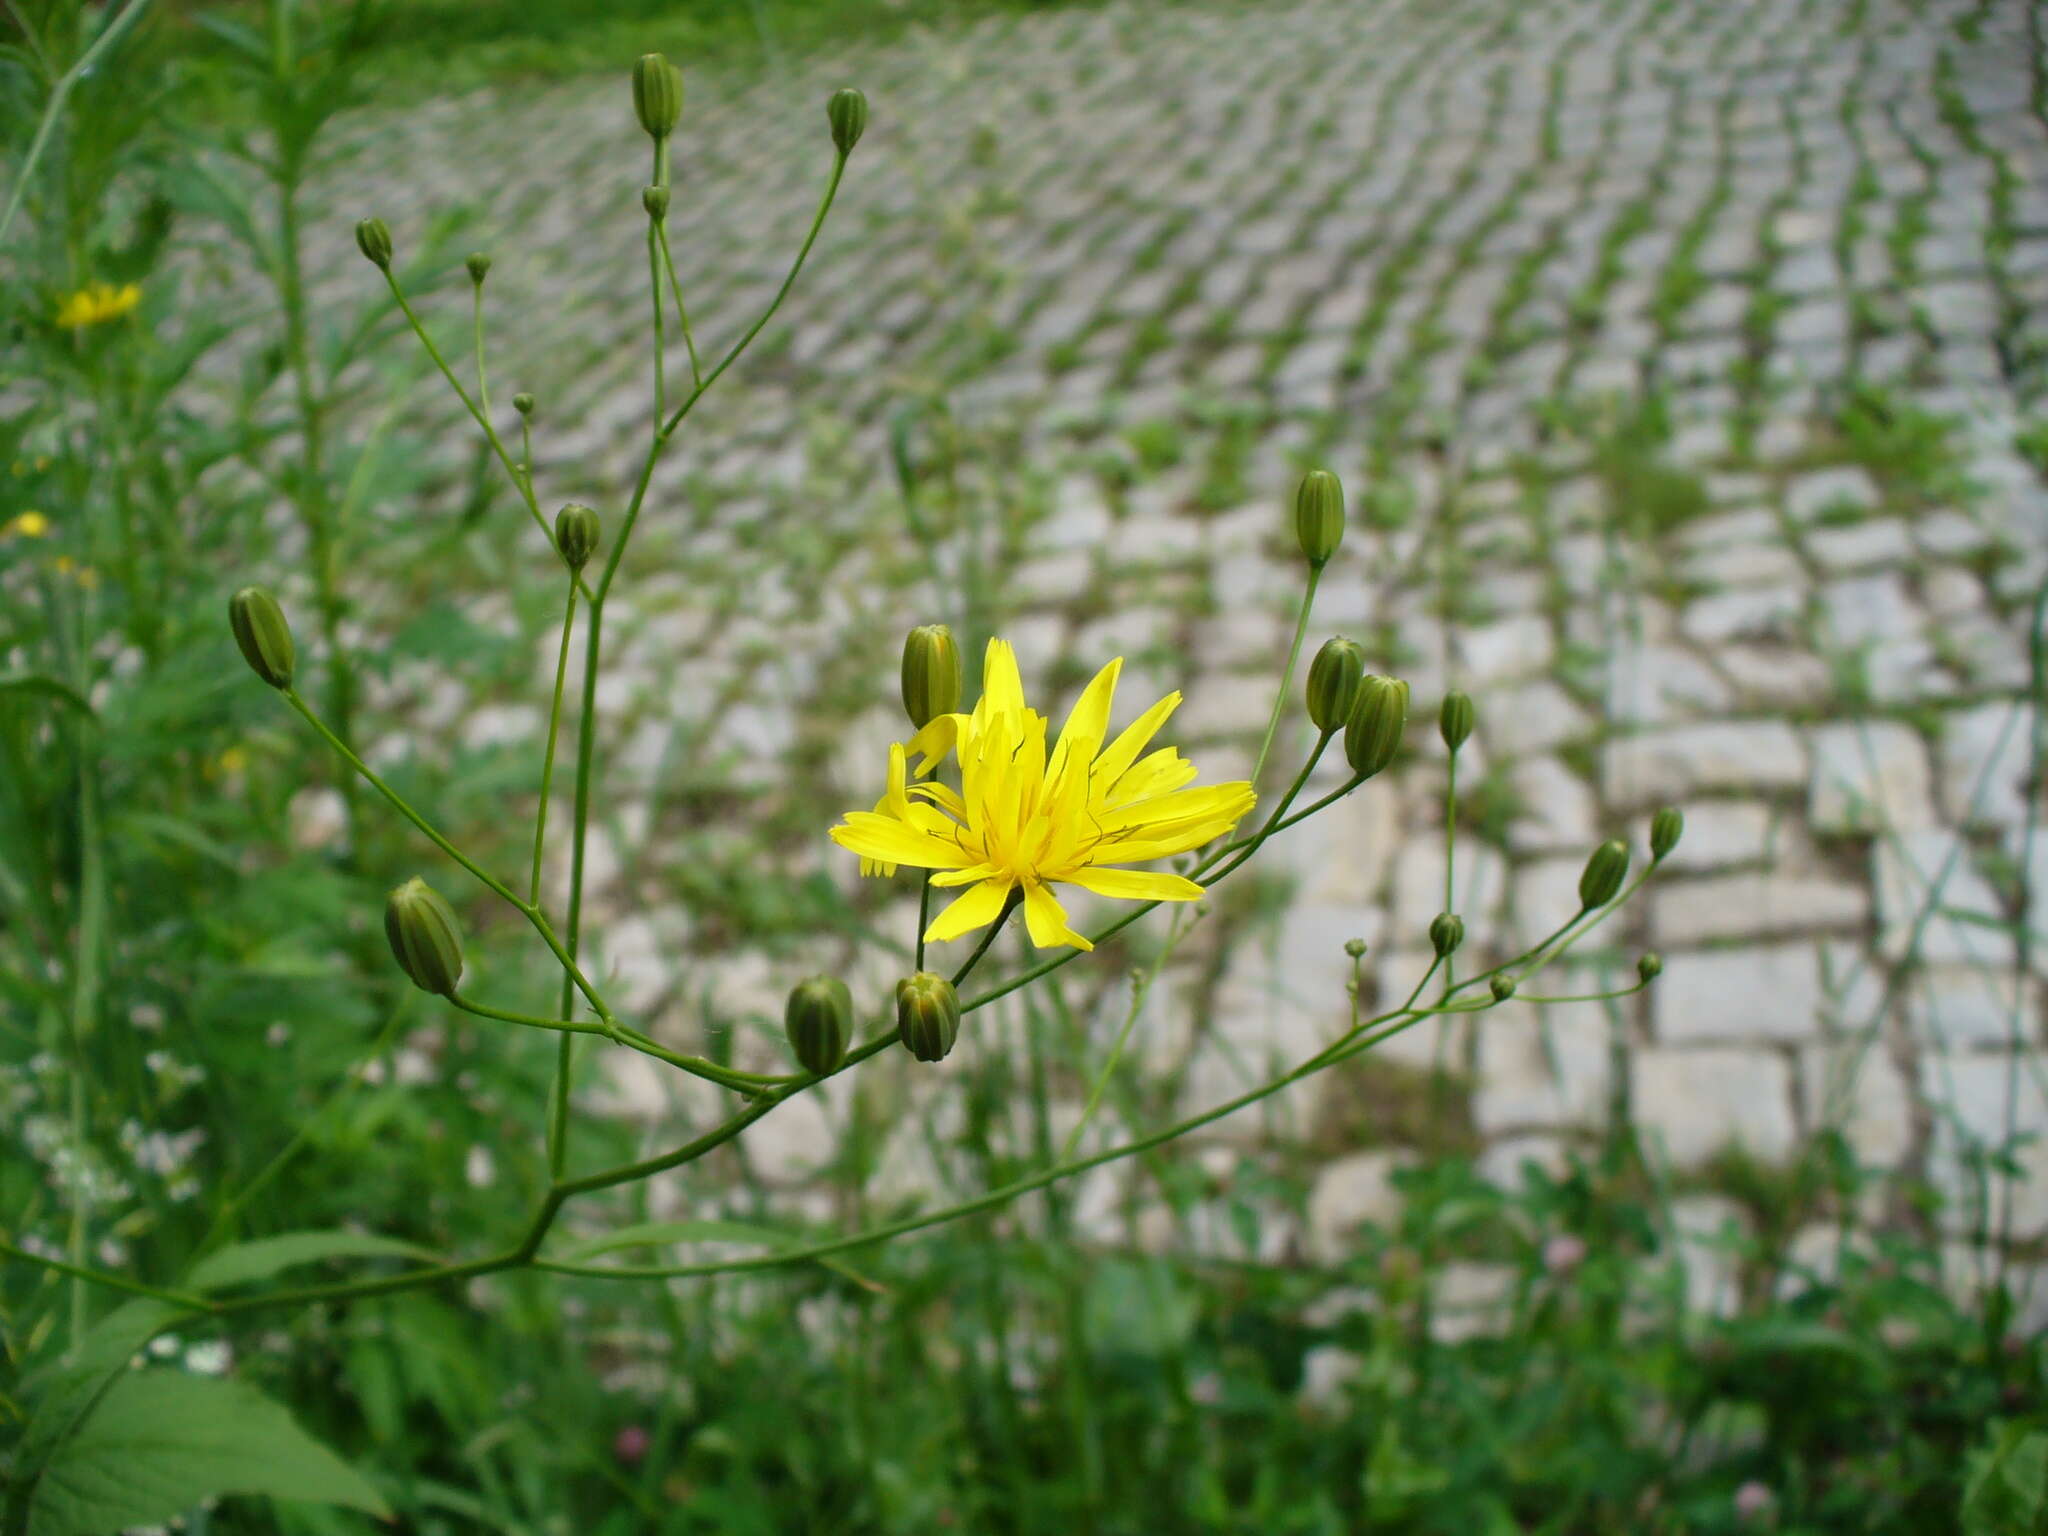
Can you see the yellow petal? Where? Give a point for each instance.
(1047, 919)
(981, 905)
(1135, 884)
(1121, 753)
(888, 840)
(1002, 690)
(1231, 800)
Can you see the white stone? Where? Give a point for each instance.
(1712, 1232)
(1870, 776)
(1756, 612)
(1720, 833)
(1505, 1163)
(1859, 1090)
(1542, 1067)
(1760, 992)
(1469, 1301)
(1807, 496)
(1955, 1007)
(1528, 717)
(1559, 811)
(1511, 648)
(1347, 1194)
(1693, 1104)
(1661, 766)
(1932, 900)
(1972, 1092)
(1984, 757)
(1752, 906)
(1481, 875)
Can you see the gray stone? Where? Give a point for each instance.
(1870, 776)
(1759, 992)
(1670, 764)
(1694, 1104)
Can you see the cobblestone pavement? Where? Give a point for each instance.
(1678, 358)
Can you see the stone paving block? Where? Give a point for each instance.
(1933, 902)
(1809, 495)
(1754, 906)
(1756, 992)
(1666, 765)
(1542, 1067)
(1982, 1100)
(1870, 776)
(1695, 1104)
(1859, 1090)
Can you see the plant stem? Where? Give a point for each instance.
(54, 108)
(1010, 904)
(1308, 598)
(547, 764)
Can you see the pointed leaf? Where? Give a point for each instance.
(265, 1256)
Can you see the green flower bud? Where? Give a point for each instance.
(1355, 948)
(1454, 720)
(655, 201)
(1373, 735)
(931, 674)
(928, 1015)
(1502, 986)
(657, 95)
(1605, 871)
(523, 403)
(425, 938)
(820, 1023)
(1666, 828)
(1333, 681)
(847, 112)
(577, 533)
(1319, 516)
(1446, 932)
(479, 266)
(1650, 967)
(264, 636)
(373, 239)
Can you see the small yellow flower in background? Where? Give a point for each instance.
(230, 764)
(96, 304)
(84, 575)
(1025, 820)
(30, 525)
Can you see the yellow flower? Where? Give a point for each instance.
(97, 303)
(84, 575)
(30, 525)
(1024, 820)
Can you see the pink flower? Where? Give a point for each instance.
(630, 1444)
(1753, 1500)
(1564, 1253)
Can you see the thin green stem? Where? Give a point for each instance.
(1280, 809)
(682, 309)
(483, 378)
(1450, 850)
(632, 1039)
(1308, 598)
(54, 108)
(113, 1282)
(1010, 904)
(547, 763)
(660, 324)
(1139, 993)
(924, 915)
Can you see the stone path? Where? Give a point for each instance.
(1679, 358)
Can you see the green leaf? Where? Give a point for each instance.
(2007, 1491)
(265, 1256)
(161, 1441)
(660, 1234)
(39, 686)
(61, 1396)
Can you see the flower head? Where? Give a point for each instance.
(28, 525)
(1026, 818)
(96, 304)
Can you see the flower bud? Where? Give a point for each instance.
(264, 636)
(1605, 871)
(655, 201)
(479, 265)
(928, 1015)
(1650, 967)
(1377, 719)
(847, 112)
(373, 239)
(1446, 932)
(1333, 680)
(1454, 719)
(425, 938)
(657, 95)
(577, 532)
(1355, 948)
(931, 674)
(523, 403)
(819, 1019)
(1666, 828)
(1502, 986)
(1319, 516)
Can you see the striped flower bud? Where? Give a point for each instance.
(819, 1019)
(1650, 967)
(1454, 719)
(1319, 516)
(847, 112)
(931, 674)
(479, 265)
(1502, 986)
(928, 1015)
(655, 201)
(1605, 871)
(1446, 932)
(425, 938)
(1666, 828)
(657, 95)
(1333, 681)
(577, 532)
(264, 636)
(1373, 735)
(373, 239)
